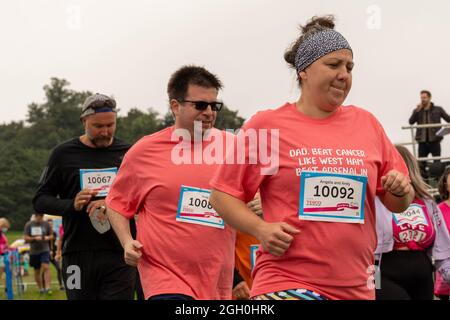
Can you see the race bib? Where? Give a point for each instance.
(413, 216)
(98, 179)
(194, 207)
(332, 197)
(253, 249)
(36, 231)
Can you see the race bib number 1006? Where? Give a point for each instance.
(332, 197)
(194, 207)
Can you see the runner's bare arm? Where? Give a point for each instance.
(121, 226)
(274, 237)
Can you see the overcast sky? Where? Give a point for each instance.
(130, 48)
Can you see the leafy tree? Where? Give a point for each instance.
(167, 121)
(228, 119)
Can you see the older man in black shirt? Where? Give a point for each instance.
(74, 184)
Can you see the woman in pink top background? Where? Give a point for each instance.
(407, 242)
(441, 288)
(4, 225)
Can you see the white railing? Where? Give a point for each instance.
(413, 138)
(433, 191)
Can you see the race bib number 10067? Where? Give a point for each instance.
(99, 180)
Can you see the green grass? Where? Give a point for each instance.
(32, 292)
(14, 235)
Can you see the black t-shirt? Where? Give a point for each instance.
(59, 184)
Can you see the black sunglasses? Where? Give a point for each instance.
(203, 105)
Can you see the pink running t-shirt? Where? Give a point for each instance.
(413, 228)
(331, 258)
(441, 287)
(3, 244)
(178, 257)
(61, 231)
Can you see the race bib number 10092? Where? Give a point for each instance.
(332, 197)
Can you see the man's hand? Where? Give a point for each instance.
(419, 107)
(276, 237)
(396, 183)
(83, 198)
(255, 205)
(241, 291)
(97, 204)
(132, 252)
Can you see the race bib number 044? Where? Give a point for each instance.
(332, 197)
(194, 207)
(414, 216)
(98, 179)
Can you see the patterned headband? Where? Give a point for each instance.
(318, 45)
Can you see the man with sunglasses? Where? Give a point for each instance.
(74, 184)
(183, 250)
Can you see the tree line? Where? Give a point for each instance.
(26, 145)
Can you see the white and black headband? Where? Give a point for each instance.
(317, 45)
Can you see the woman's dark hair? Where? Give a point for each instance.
(442, 184)
(314, 25)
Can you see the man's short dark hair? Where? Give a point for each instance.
(190, 75)
(428, 93)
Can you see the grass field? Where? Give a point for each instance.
(31, 291)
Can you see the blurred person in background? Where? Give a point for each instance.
(442, 288)
(413, 237)
(427, 113)
(53, 252)
(4, 226)
(37, 233)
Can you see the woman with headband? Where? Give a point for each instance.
(318, 233)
